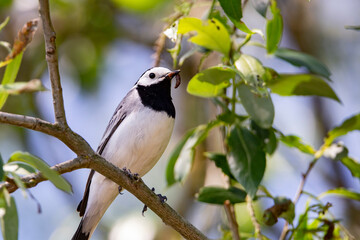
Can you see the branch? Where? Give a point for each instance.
(299, 192)
(229, 210)
(52, 62)
(160, 41)
(135, 186)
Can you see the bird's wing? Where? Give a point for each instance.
(118, 116)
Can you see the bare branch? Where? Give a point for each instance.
(298, 194)
(229, 210)
(28, 122)
(135, 186)
(160, 42)
(52, 61)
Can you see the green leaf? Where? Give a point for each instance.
(170, 176)
(218, 195)
(350, 124)
(260, 108)
(181, 159)
(261, 6)
(4, 23)
(9, 218)
(39, 164)
(267, 137)
(233, 10)
(34, 85)
(356, 28)
(300, 59)
(10, 75)
(274, 28)
(1, 169)
(301, 85)
(211, 34)
(341, 192)
(296, 142)
(220, 162)
(250, 68)
(352, 165)
(210, 82)
(246, 158)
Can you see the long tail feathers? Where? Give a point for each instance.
(79, 235)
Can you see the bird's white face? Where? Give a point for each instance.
(154, 75)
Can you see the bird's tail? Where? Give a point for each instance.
(79, 234)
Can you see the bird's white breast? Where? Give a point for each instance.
(140, 140)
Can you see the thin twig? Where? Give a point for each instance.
(161, 40)
(298, 194)
(253, 217)
(230, 213)
(52, 61)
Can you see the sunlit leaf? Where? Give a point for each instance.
(218, 195)
(246, 158)
(259, 107)
(341, 192)
(250, 68)
(274, 28)
(39, 164)
(9, 218)
(210, 82)
(19, 168)
(300, 59)
(138, 6)
(301, 85)
(9, 76)
(296, 142)
(210, 34)
(350, 124)
(233, 10)
(181, 159)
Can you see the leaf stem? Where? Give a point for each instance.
(253, 217)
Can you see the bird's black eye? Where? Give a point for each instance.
(152, 75)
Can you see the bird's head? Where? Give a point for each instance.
(158, 74)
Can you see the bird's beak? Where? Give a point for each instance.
(170, 75)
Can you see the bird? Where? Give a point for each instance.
(135, 138)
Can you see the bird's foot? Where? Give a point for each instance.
(120, 188)
(134, 176)
(162, 199)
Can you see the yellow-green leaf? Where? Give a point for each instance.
(211, 34)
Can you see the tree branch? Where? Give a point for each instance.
(300, 191)
(229, 210)
(52, 61)
(135, 186)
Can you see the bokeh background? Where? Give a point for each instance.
(104, 46)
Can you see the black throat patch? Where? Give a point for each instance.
(157, 97)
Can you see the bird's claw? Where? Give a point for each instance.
(120, 190)
(162, 199)
(134, 176)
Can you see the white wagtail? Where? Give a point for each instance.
(135, 138)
